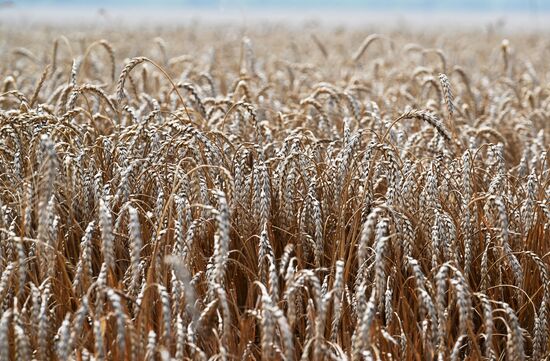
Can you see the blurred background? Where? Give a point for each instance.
(511, 14)
(473, 5)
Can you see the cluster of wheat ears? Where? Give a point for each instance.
(276, 194)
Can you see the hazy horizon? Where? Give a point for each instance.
(503, 15)
(415, 5)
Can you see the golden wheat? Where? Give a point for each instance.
(277, 196)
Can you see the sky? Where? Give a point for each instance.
(506, 15)
(420, 5)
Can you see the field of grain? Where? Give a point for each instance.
(274, 193)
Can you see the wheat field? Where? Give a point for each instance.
(274, 193)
